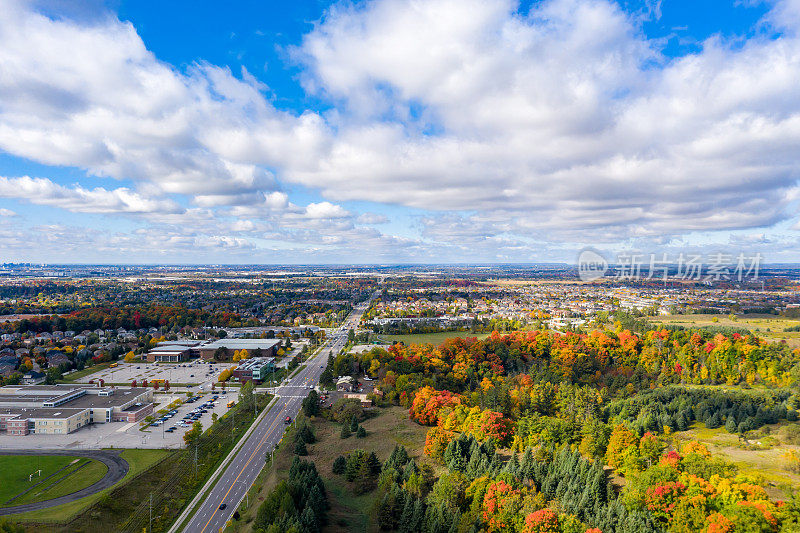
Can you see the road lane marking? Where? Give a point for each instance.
(269, 430)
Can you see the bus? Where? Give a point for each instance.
(113, 365)
(231, 404)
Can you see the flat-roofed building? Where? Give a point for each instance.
(169, 353)
(43, 421)
(256, 369)
(254, 347)
(54, 409)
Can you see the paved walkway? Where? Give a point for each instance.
(117, 468)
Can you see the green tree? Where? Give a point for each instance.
(246, 396)
(53, 375)
(193, 435)
(339, 465)
(311, 404)
(361, 433)
(345, 432)
(300, 448)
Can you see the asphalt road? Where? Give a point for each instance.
(246, 465)
(117, 468)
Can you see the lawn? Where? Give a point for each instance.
(138, 461)
(17, 468)
(79, 475)
(769, 327)
(430, 338)
(349, 512)
(141, 460)
(69, 378)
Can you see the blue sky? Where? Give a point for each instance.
(397, 131)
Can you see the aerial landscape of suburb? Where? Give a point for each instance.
(402, 266)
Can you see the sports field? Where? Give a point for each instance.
(60, 475)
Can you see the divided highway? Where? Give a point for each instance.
(218, 507)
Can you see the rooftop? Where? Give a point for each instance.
(41, 412)
(239, 344)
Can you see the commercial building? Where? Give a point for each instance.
(254, 347)
(169, 353)
(256, 369)
(57, 409)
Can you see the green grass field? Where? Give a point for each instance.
(138, 461)
(85, 372)
(429, 338)
(769, 327)
(77, 476)
(16, 469)
(349, 513)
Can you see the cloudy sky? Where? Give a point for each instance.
(396, 131)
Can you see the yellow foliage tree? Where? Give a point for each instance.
(129, 357)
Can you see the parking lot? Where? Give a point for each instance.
(129, 435)
(194, 372)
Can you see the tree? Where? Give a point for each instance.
(246, 396)
(300, 447)
(354, 423)
(344, 409)
(53, 375)
(193, 435)
(339, 465)
(345, 432)
(129, 357)
(221, 354)
(311, 404)
(361, 433)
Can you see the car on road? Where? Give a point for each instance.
(223, 506)
(287, 420)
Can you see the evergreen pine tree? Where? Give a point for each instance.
(345, 432)
(418, 517)
(404, 524)
(339, 465)
(373, 464)
(361, 433)
(308, 520)
(354, 424)
(300, 448)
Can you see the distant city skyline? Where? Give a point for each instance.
(397, 131)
